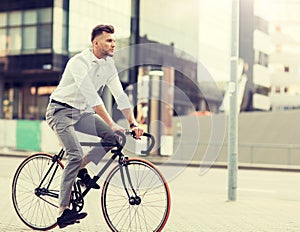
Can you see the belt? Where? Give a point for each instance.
(62, 104)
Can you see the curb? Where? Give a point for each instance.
(165, 161)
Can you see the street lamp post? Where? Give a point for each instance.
(134, 51)
(233, 108)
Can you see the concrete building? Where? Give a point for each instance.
(283, 47)
(254, 48)
(284, 71)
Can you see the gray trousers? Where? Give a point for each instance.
(65, 122)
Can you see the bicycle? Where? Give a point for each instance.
(135, 195)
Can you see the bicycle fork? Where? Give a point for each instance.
(133, 199)
(40, 191)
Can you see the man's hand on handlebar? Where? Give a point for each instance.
(138, 131)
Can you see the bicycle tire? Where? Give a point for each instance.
(153, 211)
(37, 212)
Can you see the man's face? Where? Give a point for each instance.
(104, 45)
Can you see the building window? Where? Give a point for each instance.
(262, 90)
(15, 18)
(2, 41)
(44, 36)
(30, 17)
(60, 30)
(261, 58)
(14, 39)
(44, 39)
(29, 38)
(286, 68)
(3, 21)
(45, 15)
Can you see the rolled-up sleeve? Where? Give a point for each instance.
(117, 91)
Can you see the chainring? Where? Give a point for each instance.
(77, 201)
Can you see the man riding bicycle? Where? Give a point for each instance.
(75, 105)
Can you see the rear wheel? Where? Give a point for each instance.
(35, 190)
(147, 210)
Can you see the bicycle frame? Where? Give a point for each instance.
(116, 153)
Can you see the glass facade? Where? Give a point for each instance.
(33, 31)
(60, 30)
(39, 37)
(171, 22)
(33, 51)
(84, 17)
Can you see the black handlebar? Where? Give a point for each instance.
(151, 145)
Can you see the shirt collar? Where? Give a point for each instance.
(95, 59)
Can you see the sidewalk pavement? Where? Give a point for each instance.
(266, 201)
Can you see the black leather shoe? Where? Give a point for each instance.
(86, 179)
(69, 217)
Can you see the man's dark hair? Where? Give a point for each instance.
(100, 28)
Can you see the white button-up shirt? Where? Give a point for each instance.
(83, 76)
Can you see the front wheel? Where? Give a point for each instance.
(146, 208)
(35, 190)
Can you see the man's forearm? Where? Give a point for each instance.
(102, 112)
(128, 114)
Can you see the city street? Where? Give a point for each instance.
(266, 201)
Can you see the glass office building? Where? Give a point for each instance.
(36, 40)
(85, 16)
(33, 52)
(38, 37)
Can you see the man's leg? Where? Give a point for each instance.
(92, 124)
(61, 120)
(74, 162)
(74, 153)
